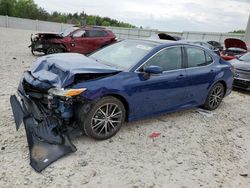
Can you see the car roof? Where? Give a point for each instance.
(93, 27)
(193, 40)
(165, 43)
(156, 41)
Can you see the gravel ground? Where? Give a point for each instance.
(193, 150)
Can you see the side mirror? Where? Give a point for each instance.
(153, 70)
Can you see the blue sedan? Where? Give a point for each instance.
(126, 81)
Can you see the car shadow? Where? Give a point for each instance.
(241, 91)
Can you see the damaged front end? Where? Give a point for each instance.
(42, 41)
(48, 119)
(50, 101)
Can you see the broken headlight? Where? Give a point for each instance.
(66, 92)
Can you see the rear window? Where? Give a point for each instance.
(96, 33)
(197, 57)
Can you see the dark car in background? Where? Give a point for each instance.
(165, 36)
(242, 71)
(128, 80)
(215, 44)
(82, 40)
(233, 48)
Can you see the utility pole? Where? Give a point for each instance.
(247, 34)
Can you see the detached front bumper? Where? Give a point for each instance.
(48, 139)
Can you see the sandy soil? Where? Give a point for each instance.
(193, 150)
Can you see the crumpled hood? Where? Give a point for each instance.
(235, 43)
(49, 35)
(59, 70)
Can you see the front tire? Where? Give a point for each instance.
(104, 119)
(214, 97)
(54, 49)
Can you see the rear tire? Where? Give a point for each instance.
(54, 49)
(214, 97)
(103, 119)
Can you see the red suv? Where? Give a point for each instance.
(75, 39)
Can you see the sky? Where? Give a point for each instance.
(165, 15)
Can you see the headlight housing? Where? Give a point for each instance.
(66, 92)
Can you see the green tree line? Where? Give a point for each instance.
(29, 9)
(238, 31)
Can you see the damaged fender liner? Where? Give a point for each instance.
(45, 144)
(42, 153)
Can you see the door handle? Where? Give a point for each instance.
(212, 70)
(181, 76)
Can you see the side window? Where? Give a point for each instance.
(96, 33)
(168, 59)
(79, 33)
(197, 57)
(208, 59)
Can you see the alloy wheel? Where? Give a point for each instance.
(106, 119)
(216, 96)
(54, 50)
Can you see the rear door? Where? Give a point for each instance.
(95, 39)
(201, 72)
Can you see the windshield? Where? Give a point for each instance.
(67, 31)
(124, 54)
(245, 57)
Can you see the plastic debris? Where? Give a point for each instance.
(154, 135)
(205, 112)
(244, 174)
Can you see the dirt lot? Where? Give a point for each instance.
(193, 150)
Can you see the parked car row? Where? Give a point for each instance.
(86, 40)
(235, 51)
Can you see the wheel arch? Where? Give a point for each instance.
(224, 84)
(218, 81)
(61, 45)
(124, 102)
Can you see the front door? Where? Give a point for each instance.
(162, 92)
(77, 43)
